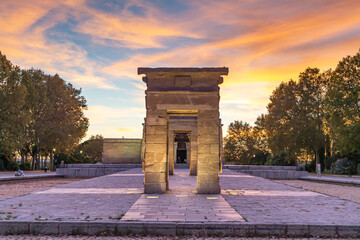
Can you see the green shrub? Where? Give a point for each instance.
(282, 159)
(311, 167)
(76, 157)
(4, 160)
(344, 166)
(61, 157)
(25, 166)
(12, 166)
(260, 158)
(2, 168)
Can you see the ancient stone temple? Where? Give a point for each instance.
(182, 126)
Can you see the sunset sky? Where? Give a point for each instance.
(98, 46)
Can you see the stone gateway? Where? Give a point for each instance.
(182, 126)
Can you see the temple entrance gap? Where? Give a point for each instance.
(182, 150)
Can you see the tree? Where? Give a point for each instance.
(295, 118)
(93, 148)
(63, 118)
(36, 104)
(13, 117)
(343, 104)
(38, 113)
(311, 90)
(279, 123)
(241, 143)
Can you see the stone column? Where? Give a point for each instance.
(175, 154)
(208, 152)
(156, 167)
(193, 153)
(171, 152)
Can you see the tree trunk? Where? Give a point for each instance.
(37, 165)
(33, 162)
(22, 156)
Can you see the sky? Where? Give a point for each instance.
(97, 45)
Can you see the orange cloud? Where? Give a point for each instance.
(24, 43)
(262, 43)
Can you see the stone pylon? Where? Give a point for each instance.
(182, 100)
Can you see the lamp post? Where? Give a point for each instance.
(52, 159)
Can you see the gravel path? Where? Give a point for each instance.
(12, 189)
(351, 193)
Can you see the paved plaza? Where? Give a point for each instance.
(245, 201)
(182, 204)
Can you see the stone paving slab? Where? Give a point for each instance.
(261, 200)
(96, 205)
(100, 199)
(182, 204)
(182, 208)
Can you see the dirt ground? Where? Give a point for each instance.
(16, 188)
(351, 193)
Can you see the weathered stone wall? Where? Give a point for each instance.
(92, 170)
(120, 150)
(184, 92)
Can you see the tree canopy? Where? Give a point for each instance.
(318, 114)
(343, 104)
(38, 112)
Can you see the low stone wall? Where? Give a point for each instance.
(270, 172)
(93, 170)
(96, 170)
(122, 151)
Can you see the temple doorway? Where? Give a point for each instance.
(181, 156)
(181, 150)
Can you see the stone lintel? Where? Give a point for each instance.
(122, 139)
(194, 90)
(221, 70)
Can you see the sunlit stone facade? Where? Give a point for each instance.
(122, 151)
(182, 125)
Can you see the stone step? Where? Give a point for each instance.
(259, 167)
(276, 174)
(119, 228)
(181, 166)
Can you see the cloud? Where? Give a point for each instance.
(115, 122)
(128, 29)
(125, 129)
(244, 101)
(272, 45)
(97, 44)
(24, 41)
